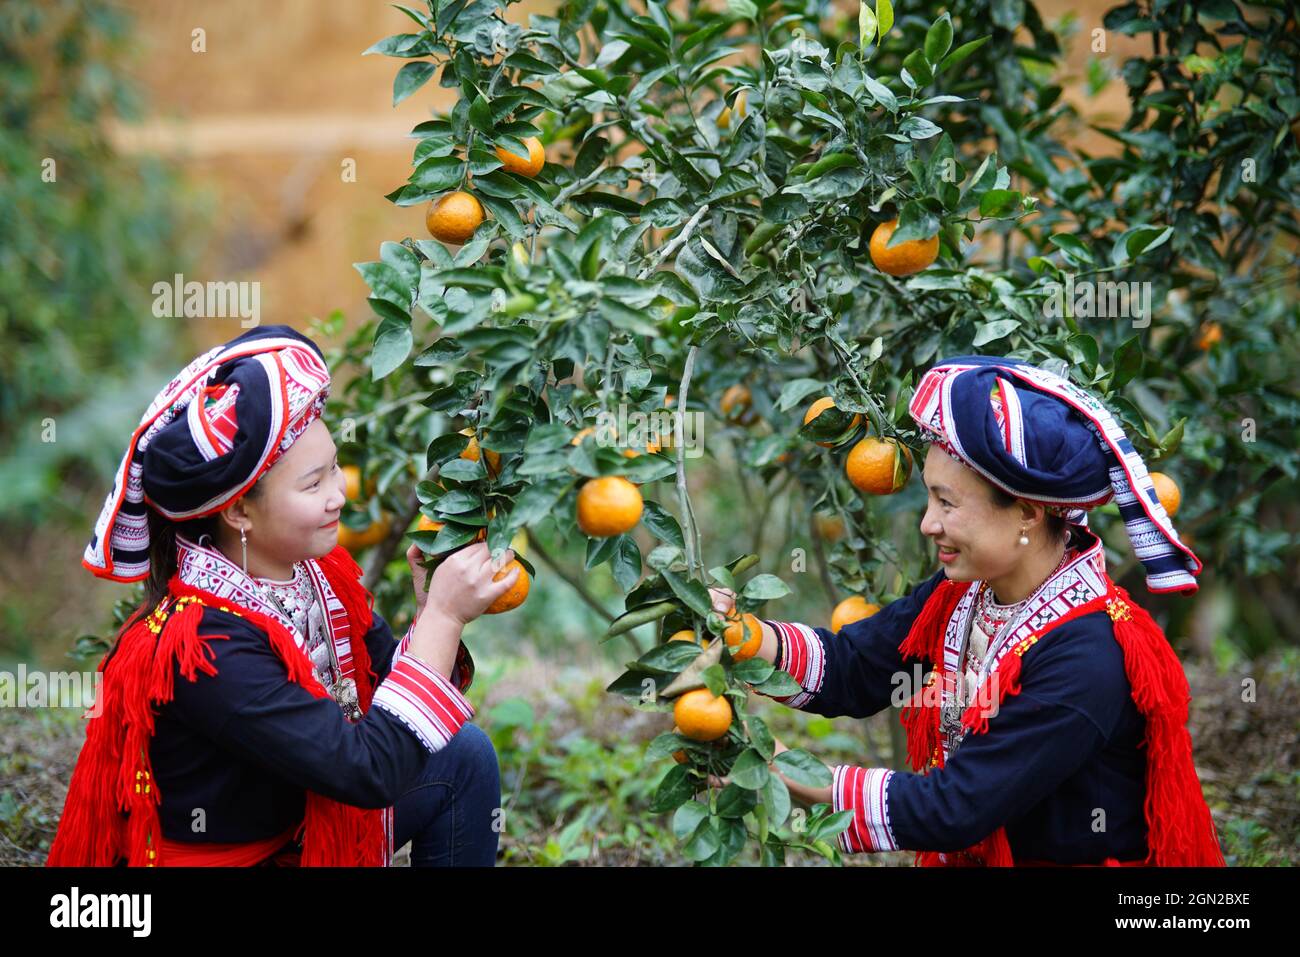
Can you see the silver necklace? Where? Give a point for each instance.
(1016, 615)
(342, 690)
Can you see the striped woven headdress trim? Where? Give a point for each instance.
(1170, 565)
(297, 383)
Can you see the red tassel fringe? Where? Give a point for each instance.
(1180, 829)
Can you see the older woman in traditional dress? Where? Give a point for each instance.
(1050, 726)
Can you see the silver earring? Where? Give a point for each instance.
(1024, 539)
(243, 543)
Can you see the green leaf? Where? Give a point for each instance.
(779, 685)
(704, 843)
(917, 67)
(1143, 239)
(688, 817)
(1072, 248)
(393, 343)
(999, 202)
(795, 391)
(750, 771)
(385, 282)
(867, 25)
(938, 39)
(626, 565)
(410, 78)
(765, 588)
(884, 16)
(480, 115)
(776, 798)
(736, 801)
(662, 524)
(962, 53)
(987, 332)
(674, 790)
(802, 768)
(690, 591)
(1127, 362)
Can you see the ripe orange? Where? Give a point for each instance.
(701, 715)
(454, 217)
(1167, 490)
(427, 524)
(735, 405)
(820, 406)
(529, 167)
(352, 476)
(373, 534)
(852, 609)
(610, 505)
(829, 527)
(517, 593)
(687, 635)
(878, 466)
(741, 110)
(493, 464)
(1211, 334)
(744, 636)
(905, 258)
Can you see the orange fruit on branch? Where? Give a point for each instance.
(515, 596)
(352, 476)
(1211, 334)
(829, 527)
(907, 257)
(701, 715)
(878, 466)
(453, 217)
(851, 609)
(744, 636)
(820, 406)
(472, 453)
(530, 166)
(735, 404)
(372, 534)
(739, 110)
(609, 505)
(1167, 490)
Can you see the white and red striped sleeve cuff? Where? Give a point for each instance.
(425, 701)
(802, 657)
(402, 645)
(865, 792)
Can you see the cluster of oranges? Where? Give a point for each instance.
(454, 216)
(876, 466)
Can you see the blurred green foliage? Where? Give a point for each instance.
(86, 233)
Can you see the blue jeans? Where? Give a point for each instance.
(451, 814)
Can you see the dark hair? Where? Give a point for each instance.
(162, 547)
(1055, 523)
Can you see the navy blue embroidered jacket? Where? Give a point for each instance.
(245, 744)
(1063, 749)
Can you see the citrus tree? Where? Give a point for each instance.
(662, 231)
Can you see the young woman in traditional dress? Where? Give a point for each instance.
(1051, 725)
(256, 709)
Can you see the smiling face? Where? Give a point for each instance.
(976, 538)
(295, 513)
